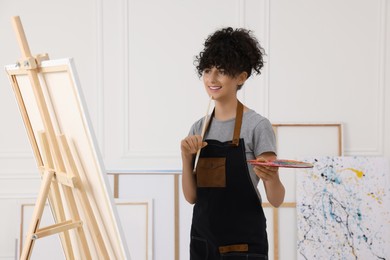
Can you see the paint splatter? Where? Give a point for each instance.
(358, 173)
(344, 216)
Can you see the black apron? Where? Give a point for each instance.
(228, 219)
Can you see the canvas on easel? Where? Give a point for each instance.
(73, 177)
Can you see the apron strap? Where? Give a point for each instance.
(237, 125)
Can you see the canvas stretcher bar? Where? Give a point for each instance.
(338, 126)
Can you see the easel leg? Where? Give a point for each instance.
(56, 204)
(59, 207)
(55, 197)
(37, 214)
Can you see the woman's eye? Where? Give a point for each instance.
(222, 72)
(206, 71)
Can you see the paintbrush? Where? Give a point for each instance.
(204, 124)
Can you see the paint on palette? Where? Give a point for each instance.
(343, 209)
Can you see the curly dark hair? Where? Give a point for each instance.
(233, 50)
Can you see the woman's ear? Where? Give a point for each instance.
(242, 78)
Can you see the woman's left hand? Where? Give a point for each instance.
(266, 173)
(274, 188)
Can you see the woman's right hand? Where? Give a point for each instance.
(191, 144)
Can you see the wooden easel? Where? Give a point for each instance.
(61, 182)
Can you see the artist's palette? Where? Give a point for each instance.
(283, 163)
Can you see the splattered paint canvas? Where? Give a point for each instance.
(343, 209)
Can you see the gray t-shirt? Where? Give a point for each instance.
(256, 131)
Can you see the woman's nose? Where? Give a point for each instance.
(213, 77)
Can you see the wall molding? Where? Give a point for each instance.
(17, 155)
(17, 196)
(100, 75)
(241, 21)
(148, 218)
(100, 89)
(6, 172)
(378, 150)
(267, 71)
(265, 43)
(241, 13)
(126, 77)
(20, 176)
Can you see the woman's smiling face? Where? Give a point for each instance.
(220, 85)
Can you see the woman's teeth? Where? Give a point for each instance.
(214, 87)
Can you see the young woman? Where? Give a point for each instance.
(228, 219)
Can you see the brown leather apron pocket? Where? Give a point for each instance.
(210, 172)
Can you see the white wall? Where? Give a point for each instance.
(327, 61)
